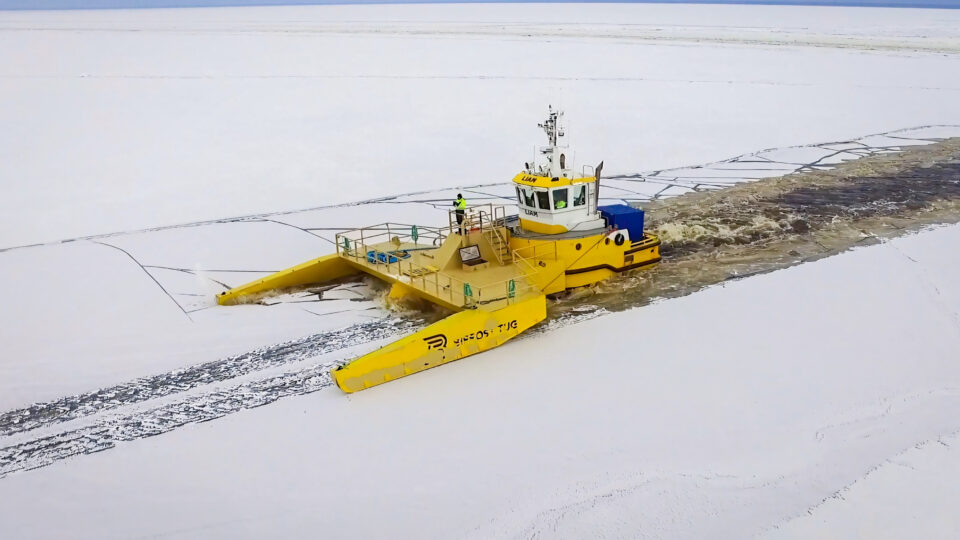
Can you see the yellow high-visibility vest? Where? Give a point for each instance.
(461, 204)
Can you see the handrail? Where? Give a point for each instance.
(500, 243)
(518, 259)
(363, 241)
(438, 283)
(550, 246)
(481, 216)
(385, 229)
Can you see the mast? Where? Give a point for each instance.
(554, 151)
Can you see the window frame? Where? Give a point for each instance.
(541, 196)
(553, 200)
(529, 199)
(583, 195)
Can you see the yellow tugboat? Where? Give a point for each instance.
(492, 269)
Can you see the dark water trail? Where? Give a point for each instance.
(708, 237)
(765, 225)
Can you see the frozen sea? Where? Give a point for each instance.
(152, 157)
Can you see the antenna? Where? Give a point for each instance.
(551, 126)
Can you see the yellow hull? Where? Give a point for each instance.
(326, 268)
(587, 260)
(460, 335)
(542, 228)
(528, 267)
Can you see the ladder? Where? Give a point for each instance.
(496, 237)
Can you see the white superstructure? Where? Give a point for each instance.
(552, 198)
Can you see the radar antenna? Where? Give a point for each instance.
(554, 130)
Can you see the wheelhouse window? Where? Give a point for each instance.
(560, 199)
(543, 200)
(519, 196)
(579, 194)
(528, 199)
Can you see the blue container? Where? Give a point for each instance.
(626, 217)
(379, 257)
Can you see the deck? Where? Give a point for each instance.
(435, 273)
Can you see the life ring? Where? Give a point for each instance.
(619, 239)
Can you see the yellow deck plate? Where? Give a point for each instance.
(444, 287)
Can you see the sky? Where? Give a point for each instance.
(113, 4)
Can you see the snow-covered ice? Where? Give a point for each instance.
(801, 403)
(95, 331)
(120, 120)
(748, 405)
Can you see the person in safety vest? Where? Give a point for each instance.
(461, 207)
(561, 204)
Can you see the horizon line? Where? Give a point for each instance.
(103, 5)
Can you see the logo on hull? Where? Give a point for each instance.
(438, 341)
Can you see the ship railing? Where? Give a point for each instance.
(523, 264)
(478, 217)
(533, 259)
(546, 251)
(461, 293)
(349, 242)
(358, 244)
(509, 290)
(498, 243)
(387, 242)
